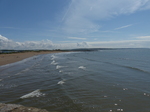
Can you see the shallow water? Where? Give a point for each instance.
(98, 81)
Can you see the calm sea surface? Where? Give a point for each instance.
(97, 81)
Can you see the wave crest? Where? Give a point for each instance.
(82, 67)
(35, 93)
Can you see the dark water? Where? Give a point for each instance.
(98, 81)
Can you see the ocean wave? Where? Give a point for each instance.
(35, 93)
(60, 71)
(128, 67)
(53, 57)
(134, 68)
(6, 86)
(82, 67)
(58, 67)
(61, 82)
(54, 63)
(25, 70)
(11, 86)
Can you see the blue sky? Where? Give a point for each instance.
(50, 24)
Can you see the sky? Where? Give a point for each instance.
(67, 24)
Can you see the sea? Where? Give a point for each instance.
(96, 81)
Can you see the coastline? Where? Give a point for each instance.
(9, 58)
(14, 57)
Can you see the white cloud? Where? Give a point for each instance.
(84, 16)
(122, 44)
(2, 38)
(82, 45)
(109, 44)
(77, 38)
(123, 27)
(5, 43)
(44, 44)
(143, 37)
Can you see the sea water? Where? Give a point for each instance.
(97, 81)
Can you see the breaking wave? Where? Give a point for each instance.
(53, 57)
(35, 93)
(82, 67)
(54, 63)
(58, 67)
(61, 82)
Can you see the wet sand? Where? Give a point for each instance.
(14, 57)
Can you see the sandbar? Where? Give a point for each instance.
(14, 57)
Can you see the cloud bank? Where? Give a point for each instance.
(143, 37)
(5, 43)
(121, 44)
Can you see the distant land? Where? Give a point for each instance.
(6, 51)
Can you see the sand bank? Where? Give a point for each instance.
(14, 57)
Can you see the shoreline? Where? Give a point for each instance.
(15, 57)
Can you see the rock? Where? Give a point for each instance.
(18, 108)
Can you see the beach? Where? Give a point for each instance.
(14, 57)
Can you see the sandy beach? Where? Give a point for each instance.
(14, 57)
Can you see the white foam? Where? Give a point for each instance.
(58, 67)
(35, 93)
(125, 89)
(53, 57)
(27, 69)
(82, 67)
(54, 63)
(61, 82)
(118, 109)
(60, 71)
(18, 73)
